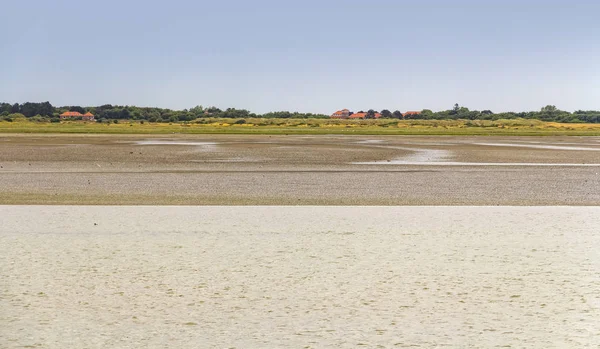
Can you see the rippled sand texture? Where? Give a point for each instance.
(304, 170)
(299, 277)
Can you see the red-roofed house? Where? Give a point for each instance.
(347, 114)
(70, 114)
(408, 114)
(341, 114)
(363, 116)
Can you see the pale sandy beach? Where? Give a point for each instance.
(299, 277)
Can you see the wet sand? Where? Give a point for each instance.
(304, 170)
(299, 277)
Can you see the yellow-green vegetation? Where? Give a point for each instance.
(524, 127)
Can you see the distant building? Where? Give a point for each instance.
(363, 116)
(410, 113)
(341, 114)
(70, 115)
(75, 114)
(347, 114)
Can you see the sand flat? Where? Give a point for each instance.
(305, 170)
(299, 277)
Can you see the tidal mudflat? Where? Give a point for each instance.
(304, 170)
(299, 277)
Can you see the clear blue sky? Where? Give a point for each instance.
(305, 55)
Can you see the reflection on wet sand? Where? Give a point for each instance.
(292, 170)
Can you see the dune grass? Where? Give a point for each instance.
(517, 127)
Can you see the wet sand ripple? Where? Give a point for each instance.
(302, 277)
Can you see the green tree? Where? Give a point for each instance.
(198, 111)
(5, 107)
(426, 113)
(551, 113)
(371, 114)
(549, 109)
(456, 109)
(386, 114)
(213, 110)
(124, 114)
(77, 109)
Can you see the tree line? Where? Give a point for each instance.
(45, 111)
(547, 113)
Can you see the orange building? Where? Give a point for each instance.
(341, 114)
(410, 113)
(363, 116)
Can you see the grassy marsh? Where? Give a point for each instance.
(516, 127)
